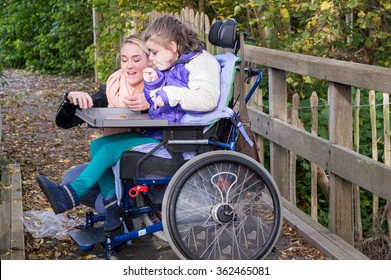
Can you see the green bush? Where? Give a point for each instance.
(46, 35)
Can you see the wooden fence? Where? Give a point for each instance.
(346, 168)
(336, 168)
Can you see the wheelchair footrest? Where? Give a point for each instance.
(87, 238)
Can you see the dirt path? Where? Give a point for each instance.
(31, 139)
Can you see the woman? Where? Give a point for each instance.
(124, 88)
(189, 82)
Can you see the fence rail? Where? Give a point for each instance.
(342, 72)
(345, 166)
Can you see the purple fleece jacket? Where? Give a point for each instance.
(178, 75)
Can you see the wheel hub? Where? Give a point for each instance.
(222, 213)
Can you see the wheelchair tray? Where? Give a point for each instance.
(118, 117)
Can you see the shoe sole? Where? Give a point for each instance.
(41, 183)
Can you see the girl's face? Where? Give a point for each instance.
(133, 61)
(162, 57)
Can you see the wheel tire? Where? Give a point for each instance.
(222, 205)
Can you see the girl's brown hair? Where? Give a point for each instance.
(168, 29)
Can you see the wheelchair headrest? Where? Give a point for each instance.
(223, 33)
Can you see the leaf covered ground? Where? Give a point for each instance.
(31, 139)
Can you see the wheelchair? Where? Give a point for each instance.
(207, 200)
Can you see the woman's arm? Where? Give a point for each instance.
(66, 113)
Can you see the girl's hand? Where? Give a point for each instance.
(150, 75)
(81, 98)
(158, 102)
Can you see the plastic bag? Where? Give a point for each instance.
(48, 224)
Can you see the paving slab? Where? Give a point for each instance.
(11, 211)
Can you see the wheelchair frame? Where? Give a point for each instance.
(236, 216)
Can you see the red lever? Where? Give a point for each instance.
(133, 192)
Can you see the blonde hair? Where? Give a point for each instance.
(168, 29)
(137, 40)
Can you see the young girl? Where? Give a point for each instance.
(188, 77)
(189, 82)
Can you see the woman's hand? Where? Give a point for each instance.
(137, 102)
(80, 98)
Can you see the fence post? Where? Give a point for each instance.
(387, 143)
(279, 157)
(314, 101)
(292, 156)
(372, 114)
(341, 190)
(357, 198)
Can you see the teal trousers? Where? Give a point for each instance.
(105, 152)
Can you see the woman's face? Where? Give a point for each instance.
(133, 61)
(162, 57)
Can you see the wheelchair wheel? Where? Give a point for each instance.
(155, 193)
(222, 205)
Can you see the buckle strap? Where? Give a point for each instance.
(239, 124)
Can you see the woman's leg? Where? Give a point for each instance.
(99, 169)
(101, 141)
(105, 154)
(93, 197)
(64, 197)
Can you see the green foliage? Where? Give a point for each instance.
(120, 17)
(55, 36)
(46, 36)
(220, 9)
(349, 30)
(116, 23)
(123, 16)
(358, 31)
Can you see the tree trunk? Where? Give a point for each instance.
(189, 4)
(201, 6)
